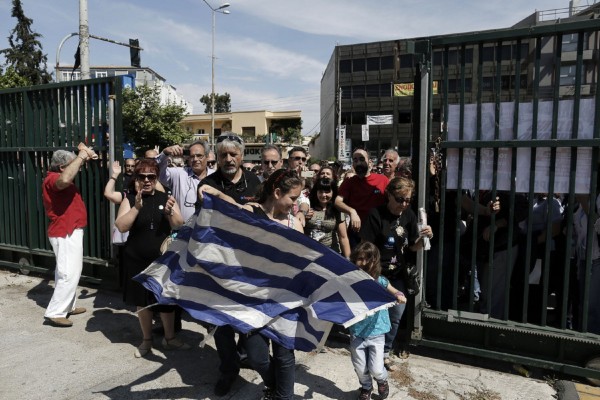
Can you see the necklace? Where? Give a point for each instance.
(152, 214)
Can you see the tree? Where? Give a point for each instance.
(10, 79)
(25, 53)
(147, 123)
(222, 103)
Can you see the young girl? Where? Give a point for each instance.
(326, 224)
(368, 335)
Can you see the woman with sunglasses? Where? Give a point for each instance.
(148, 215)
(276, 199)
(393, 228)
(326, 224)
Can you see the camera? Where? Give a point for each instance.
(186, 152)
(307, 174)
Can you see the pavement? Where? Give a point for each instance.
(94, 359)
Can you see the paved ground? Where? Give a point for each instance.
(94, 360)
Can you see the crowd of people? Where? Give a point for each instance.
(363, 211)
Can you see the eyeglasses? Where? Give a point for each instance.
(143, 177)
(198, 156)
(270, 162)
(211, 163)
(233, 138)
(130, 166)
(402, 200)
(298, 158)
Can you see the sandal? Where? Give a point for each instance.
(143, 348)
(175, 344)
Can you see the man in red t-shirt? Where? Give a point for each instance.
(358, 194)
(68, 216)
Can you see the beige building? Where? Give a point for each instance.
(253, 126)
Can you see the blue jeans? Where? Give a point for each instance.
(396, 313)
(278, 373)
(367, 359)
(227, 351)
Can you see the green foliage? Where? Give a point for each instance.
(11, 79)
(293, 135)
(147, 123)
(25, 53)
(222, 103)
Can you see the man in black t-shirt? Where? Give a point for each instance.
(231, 179)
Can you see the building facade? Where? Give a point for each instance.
(371, 86)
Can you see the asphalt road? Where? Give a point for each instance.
(94, 359)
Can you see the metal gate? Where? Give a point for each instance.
(35, 121)
(519, 121)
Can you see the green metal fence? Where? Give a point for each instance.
(520, 119)
(35, 121)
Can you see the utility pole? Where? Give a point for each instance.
(84, 39)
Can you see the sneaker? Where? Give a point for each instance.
(364, 394)
(383, 389)
(61, 322)
(268, 394)
(76, 311)
(389, 364)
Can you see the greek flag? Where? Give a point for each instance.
(230, 267)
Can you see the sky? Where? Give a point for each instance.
(269, 54)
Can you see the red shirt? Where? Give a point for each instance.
(64, 208)
(363, 194)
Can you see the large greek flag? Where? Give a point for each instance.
(231, 267)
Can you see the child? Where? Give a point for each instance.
(368, 335)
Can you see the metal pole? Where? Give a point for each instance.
(212, 93)
(111, 156)
(84, 39)
(56, 71)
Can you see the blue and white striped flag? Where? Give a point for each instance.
(233, 268)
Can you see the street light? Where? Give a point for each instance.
(212, 93)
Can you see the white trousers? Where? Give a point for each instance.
(69, 263)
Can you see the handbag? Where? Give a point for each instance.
(119, 238)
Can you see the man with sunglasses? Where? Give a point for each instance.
(183, 181)
(360, 193)
(270, 160)
(241, 185)
(211, 163)
(297, 157)
(68, 216)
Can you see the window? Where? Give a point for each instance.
(346, 92)
(567, 74)
(345, 66)
(373, 64)
(385, 90)
(346, 118)
(569, 41)
(358, 92)
(387, 62)
(438, 56)
(406, 61)
(358, 65)
(68, 76)
(454, 85)
(120, 72)
(404, 117)
(101, 74)
(372, 90)
(200, 132)
(359, 118)
(248, 130)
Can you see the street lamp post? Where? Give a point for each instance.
(212, 93)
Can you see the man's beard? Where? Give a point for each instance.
(229, 170)
(361, 168)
